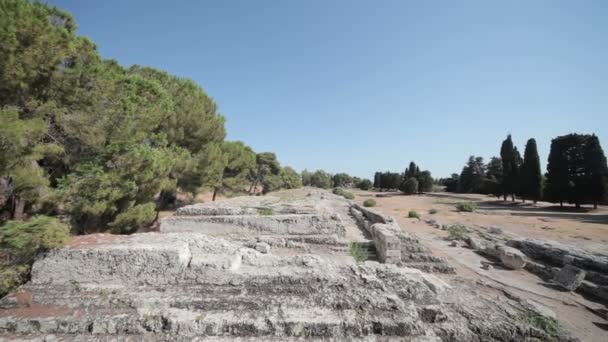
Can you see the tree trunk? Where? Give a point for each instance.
(594, 204)
(512, 198)
(561, 203)
(535, 200)
(18, 208)
(578, 205)
(504, 197)
(214, 194)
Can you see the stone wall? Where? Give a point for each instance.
(383, 231)
(290, 224)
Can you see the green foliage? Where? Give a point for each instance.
(343, 193)
(433, 211)
(342, 180)
(265, 211)
(369, 203)
(577, 170)
(547, 324)
(425, 181)
(409, 186)
(510, 167)
(135, 217)
(466, 206)
(11, 277)
(472, 176)
(413, 214)
(530, 175)
(364, 184)
(28, 238)
(457, 232)
(357, 252)
(291, 179)
(319, 179)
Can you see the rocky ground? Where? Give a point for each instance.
(269, 268)
(552, 238)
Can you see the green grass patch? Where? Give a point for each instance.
(546, 324)
(468, 207)
(357, 252)
(433, 211)
(369, 203)
(413, 214)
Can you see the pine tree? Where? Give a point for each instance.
(530, 177)
(596, 171)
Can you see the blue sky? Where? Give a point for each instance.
(360, 86)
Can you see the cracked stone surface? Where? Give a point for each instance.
(270, 285)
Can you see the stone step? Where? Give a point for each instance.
(276, 321)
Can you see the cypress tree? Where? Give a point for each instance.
(557, 172)
(531, 179)
(508, 155)
(596, 171)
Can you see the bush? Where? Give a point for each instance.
(369, 203)
(409, 186)
(28, 238)
(343, 193)
(413, 214)
(457, 232)
(357, 252)
(466, 206)
(11, 277)
(433, 211)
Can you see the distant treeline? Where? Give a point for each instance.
(106, 147)
(325, 180)
(577, 172)
(411, 181)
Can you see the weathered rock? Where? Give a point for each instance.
(570, 277)
(511, 257)
(262, 247)
(557, 254)
(189, 286)
(293, 224)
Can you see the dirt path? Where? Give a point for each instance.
(584, 230)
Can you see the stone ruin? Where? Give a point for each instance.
(271, 268)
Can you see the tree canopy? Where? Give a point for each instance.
(86, 137)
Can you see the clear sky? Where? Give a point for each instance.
(360, 86)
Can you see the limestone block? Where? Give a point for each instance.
(511, 257)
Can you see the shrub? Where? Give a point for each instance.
(409, 186)
(369, 203)
(357, 252)
(413, 214)
(11, 277)
(28, 238)
(343, 193)
(457, 232)
(433, 211)
(265, 211)
(466, 206)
